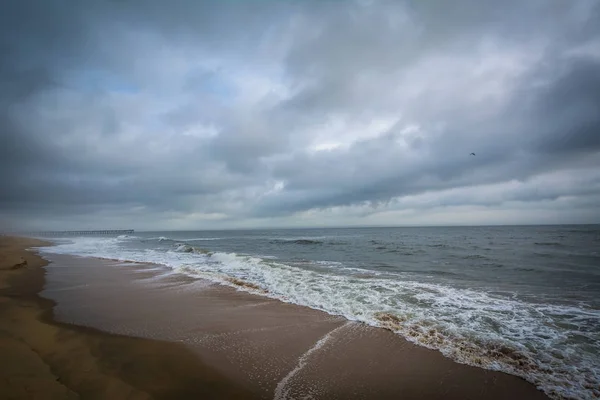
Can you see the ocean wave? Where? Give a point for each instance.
(394, 248)
(434, 272)
(402, 252)
(203, 238)
(552, 346)
(439, 245)
(158, 238)
(296, 241)
(184, 248)
(525, 269)
(488, 333)
(352, 271)
(125, 237)
(165, 239)
(474, 257)
(493, 265)
(245, 285)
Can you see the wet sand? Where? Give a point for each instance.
(274, 349)
(45, 359)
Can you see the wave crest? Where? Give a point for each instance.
(184, 248)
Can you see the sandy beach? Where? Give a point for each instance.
(300, 200)
(269, 348)
(46, 359)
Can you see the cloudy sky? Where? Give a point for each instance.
(190, 114)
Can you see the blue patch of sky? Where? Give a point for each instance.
(212, 83)
(98, 80)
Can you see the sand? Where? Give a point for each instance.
(273, 349)
(46, 359)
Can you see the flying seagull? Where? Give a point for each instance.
(472, 154)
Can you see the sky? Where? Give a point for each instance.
(190, 114)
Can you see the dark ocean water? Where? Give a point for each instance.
(524, 300)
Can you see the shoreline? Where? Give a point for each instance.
(45, 358)
(282, 349)
(476, 303)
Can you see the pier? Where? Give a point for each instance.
(74, 233)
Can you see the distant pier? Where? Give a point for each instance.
(75, 233)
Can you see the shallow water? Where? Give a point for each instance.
(524, 300)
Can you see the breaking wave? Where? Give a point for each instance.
(552, 346)
(203, 238)
(124, 237)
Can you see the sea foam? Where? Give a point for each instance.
(549, 345)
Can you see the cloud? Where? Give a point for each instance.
(240, 114)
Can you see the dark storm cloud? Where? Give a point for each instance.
(568, 109)
(558, 125)
(202, 110)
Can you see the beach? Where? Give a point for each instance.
(130, 330)
(300, 200)
(46, 359)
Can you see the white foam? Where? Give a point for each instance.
(122, 237)
(332, 264)
(164, 238)
(294, 238)
(201, 239)
(159, 238)
(466, 325)
(281, 393)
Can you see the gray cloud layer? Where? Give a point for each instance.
(196, 114)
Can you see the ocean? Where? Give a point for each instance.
(520, 299)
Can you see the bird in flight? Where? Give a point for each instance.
(472, 154)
